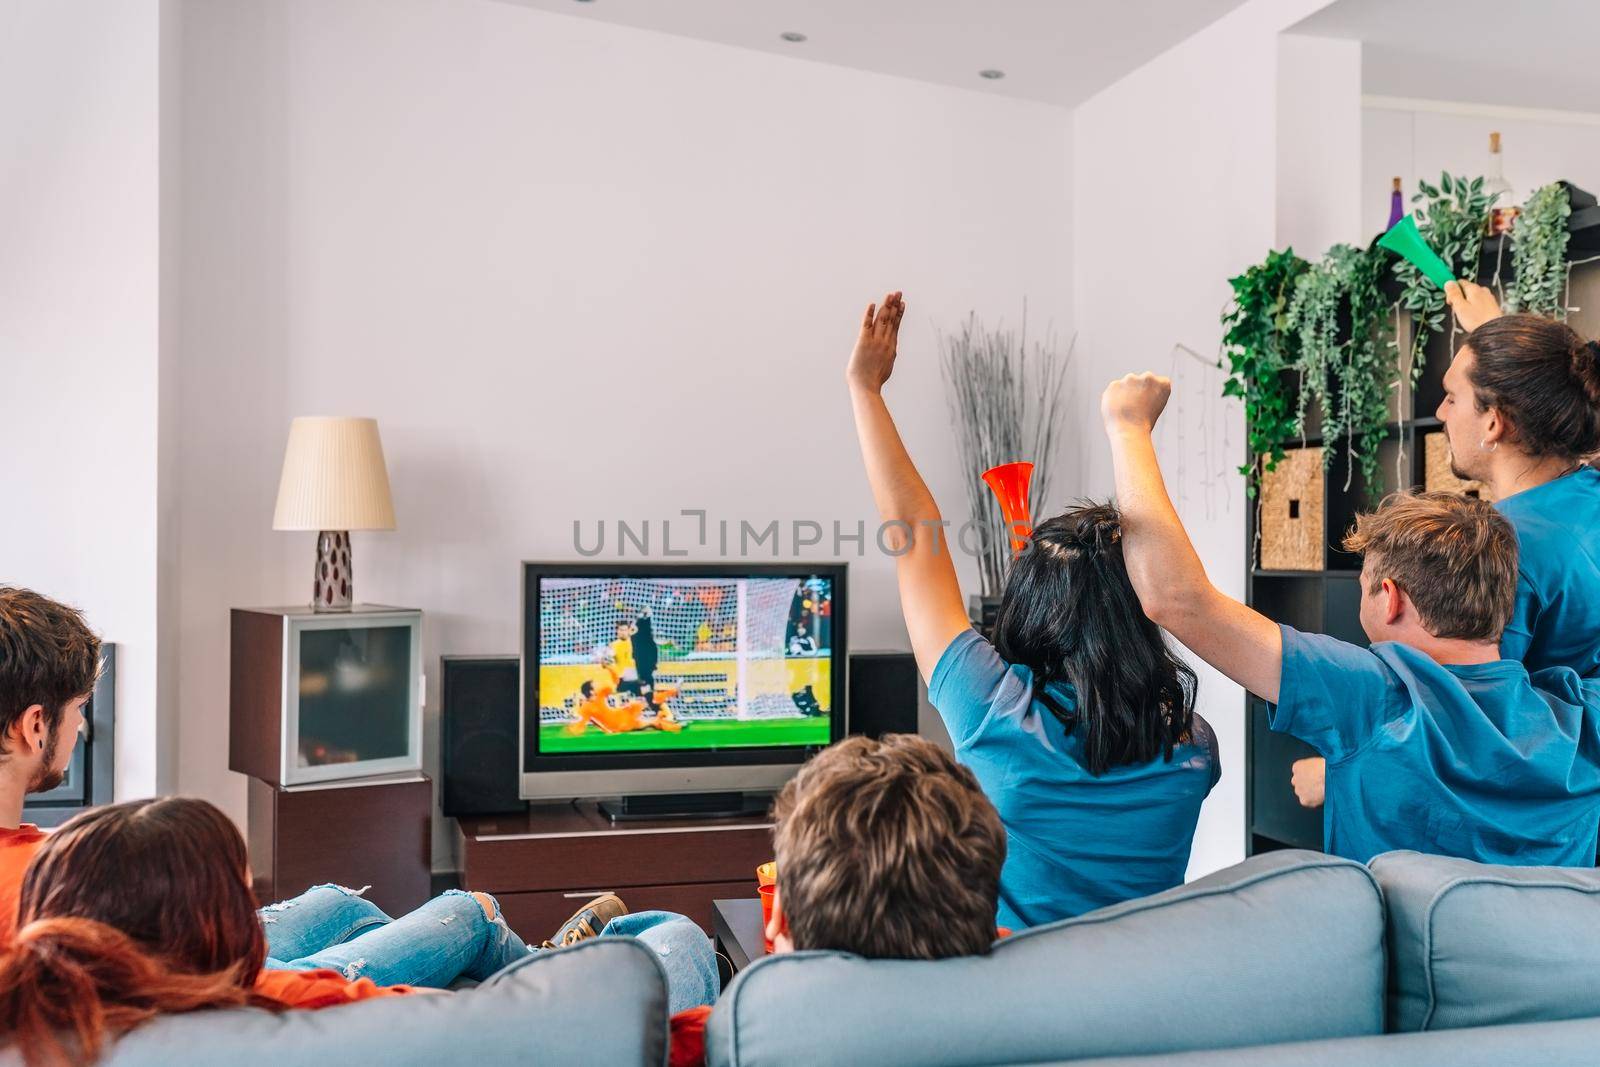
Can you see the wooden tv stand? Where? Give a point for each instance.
(542, 865)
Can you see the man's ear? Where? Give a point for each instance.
(1394, 602)
(27, 734)
(1495, 429)
(778, 927)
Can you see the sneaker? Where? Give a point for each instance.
(588, 921)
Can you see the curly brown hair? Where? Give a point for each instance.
(888, 849)
(48, 656)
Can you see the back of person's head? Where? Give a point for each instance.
(127, 912)
(889, 849)
(1070, 614)
(1454, 556)
(48, 657)
(1545, 381)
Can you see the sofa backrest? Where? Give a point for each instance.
(1570, 1043)
(600, 1001)
(1472, 944)
(1285, 946)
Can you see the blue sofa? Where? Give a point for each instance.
(1290, 958)
(603, 1001)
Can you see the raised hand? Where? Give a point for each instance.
(1473, 304)
(873, 359)
(1135, 401)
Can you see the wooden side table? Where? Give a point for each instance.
(372, 832)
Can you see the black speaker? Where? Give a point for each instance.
(884, 693)
(478, 757)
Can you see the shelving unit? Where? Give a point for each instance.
(1328, 601)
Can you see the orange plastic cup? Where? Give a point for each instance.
(767, 873)
(766, 892)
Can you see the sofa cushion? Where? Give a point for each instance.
(1472, 944)
(539, 1010)
(1284, 946)
(1560, 1044)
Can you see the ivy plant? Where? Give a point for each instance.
(1260, 354)
(1539, 254)
(1451, 219)
(1346, 366)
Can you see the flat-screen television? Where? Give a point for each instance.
(654, 679)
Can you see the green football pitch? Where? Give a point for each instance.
(706, 733)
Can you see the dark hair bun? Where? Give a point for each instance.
(1586, 368)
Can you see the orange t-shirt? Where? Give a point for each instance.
(310, 990)
(689, 1037)
(16, 849)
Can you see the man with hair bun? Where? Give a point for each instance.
(1522, 412)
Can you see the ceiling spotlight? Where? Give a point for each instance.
(992, 75)
(792, 37)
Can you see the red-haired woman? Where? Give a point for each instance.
(141, 909)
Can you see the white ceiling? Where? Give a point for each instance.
(1533, 53)
(1056, 51)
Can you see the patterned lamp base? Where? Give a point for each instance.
(331, 587)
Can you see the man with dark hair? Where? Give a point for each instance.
(49, 660)
(1433, 742)
(1522, 413)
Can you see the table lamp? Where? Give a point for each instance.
(334, 481)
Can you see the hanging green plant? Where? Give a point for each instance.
(1539, 253)
(1259, 353)
(1451, 219)
(1349, 366)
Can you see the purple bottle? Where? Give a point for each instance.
(1397, 206)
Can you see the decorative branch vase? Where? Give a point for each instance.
(332, 584)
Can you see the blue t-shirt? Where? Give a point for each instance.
(1074, 842)
(1480, 762)
(1557, 618)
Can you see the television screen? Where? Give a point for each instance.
(669, 664)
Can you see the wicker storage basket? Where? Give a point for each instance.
(1437, 476)
(1293, 524)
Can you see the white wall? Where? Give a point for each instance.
(1423, 141)
(1174, 192)
(1319, 145)
(79, 322)
(576, 271)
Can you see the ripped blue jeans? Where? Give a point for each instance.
(332, 927)
(449, 937)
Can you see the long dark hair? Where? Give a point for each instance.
(1070, 614)
(1544, 378)
(128, 912)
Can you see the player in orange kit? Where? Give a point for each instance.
(596, 708)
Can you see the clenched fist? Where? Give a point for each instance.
(1309, 777)
(1135, 400)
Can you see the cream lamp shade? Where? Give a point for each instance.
(333, 477)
